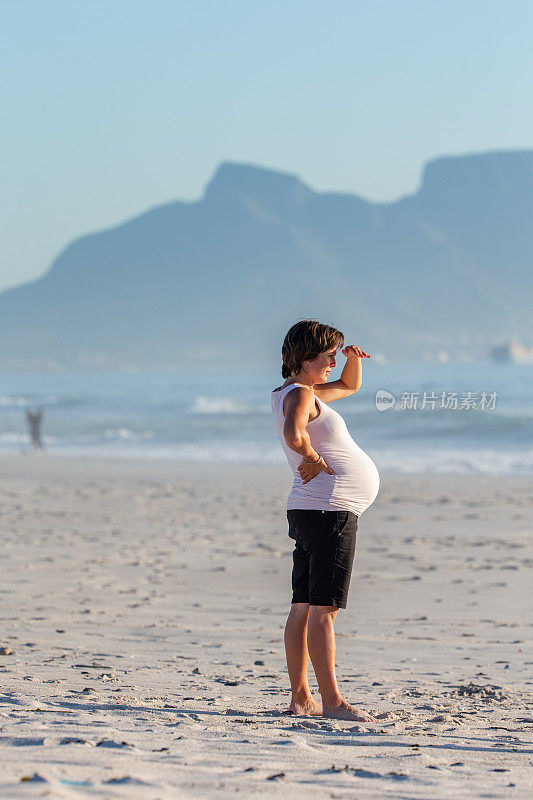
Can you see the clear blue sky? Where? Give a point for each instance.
(114, 106)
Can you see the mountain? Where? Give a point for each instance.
(222, 279)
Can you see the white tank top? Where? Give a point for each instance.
(354, 486)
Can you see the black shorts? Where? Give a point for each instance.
(323, 555)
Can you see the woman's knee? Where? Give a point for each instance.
(323, 611)
(299, 611)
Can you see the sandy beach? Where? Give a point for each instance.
(143, 607)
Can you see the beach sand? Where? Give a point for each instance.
(144, 604)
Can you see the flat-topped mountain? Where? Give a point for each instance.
(224, 277)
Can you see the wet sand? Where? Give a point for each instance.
(144, 603)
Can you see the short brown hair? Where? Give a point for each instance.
(305, 341)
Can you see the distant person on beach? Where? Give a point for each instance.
(335, 481)
(34, 419)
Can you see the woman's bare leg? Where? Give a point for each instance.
(321, 643)
(302, 701)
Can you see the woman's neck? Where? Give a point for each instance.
(294, 379)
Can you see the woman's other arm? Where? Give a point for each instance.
(295, 432)
(300, 403)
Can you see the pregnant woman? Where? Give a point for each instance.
(334, 483)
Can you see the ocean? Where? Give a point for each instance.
(475, 417)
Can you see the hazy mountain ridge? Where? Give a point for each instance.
(448, 265)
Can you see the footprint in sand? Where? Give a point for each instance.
(73, 740)
(112, 744)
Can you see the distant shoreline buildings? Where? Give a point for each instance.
(513, 352)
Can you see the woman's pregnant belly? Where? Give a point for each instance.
(353, 487)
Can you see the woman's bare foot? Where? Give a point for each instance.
(306, 708)
(346, 711)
